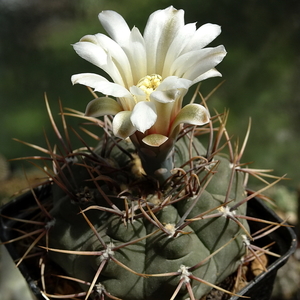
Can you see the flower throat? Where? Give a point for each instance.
(149, 84)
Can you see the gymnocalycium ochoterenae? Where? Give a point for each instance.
(149, 213)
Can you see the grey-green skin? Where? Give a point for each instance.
(159, 253)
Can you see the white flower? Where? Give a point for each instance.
(150, 73)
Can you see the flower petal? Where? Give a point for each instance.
(135, 50)
(208, 74)
(106, 54)
(138, 93)
(165, 96)
(122, 126)
(194, 114)
(192, 64)
(88, 79)
(170, 89)
(143, 115)
(88, 49)
(102, 106)
(208, 61)
(115, 25)
(155, 140)
(118, 56)
(203, 36)
(100, 84)
(180, 41)
(174, 82)
(160, 30)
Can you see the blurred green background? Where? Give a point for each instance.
(262, 73)
(262, 69)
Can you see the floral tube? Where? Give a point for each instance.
(150, 74)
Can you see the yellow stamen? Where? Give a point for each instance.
(149, 84)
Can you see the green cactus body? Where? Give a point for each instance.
(125, 238)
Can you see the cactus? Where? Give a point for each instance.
(148, 232)
(149, 213)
